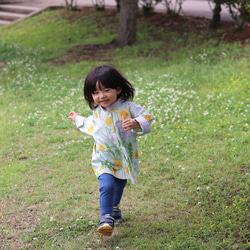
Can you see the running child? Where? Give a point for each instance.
(114, 125)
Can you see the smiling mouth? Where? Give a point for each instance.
(104, 101)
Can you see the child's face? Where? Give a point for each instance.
(105, 96)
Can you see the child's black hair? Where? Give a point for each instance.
(108, 77)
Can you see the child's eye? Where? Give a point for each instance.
(106, 90)
(95, 92)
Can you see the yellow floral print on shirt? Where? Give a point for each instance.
(118, 163)
(124, 114)
(136, 154)
(91, 128)
(147, 117)
(112, 110)
(101, 147)
(136, 177)
(127, 170)
(108, 121)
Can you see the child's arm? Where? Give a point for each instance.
(83, 124)
(129, 124)
(140, 122)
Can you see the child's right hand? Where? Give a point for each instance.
(72, 116)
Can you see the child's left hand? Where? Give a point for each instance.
(72, 116)
(129, 124)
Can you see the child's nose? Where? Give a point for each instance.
(102, 94)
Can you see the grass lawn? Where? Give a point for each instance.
(193, 191)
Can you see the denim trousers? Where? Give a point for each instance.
(111, 190)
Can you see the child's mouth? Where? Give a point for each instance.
(106, 101)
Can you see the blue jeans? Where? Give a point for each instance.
(111, 190)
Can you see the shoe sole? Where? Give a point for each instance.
(105, 229)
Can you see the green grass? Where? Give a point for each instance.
(194, 184)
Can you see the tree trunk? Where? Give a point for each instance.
(215, 23)
(127, 23)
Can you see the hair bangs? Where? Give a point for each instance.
(106, 80)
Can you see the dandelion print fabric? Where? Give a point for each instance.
(115, 150)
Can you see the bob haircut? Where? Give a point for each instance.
(108, 77)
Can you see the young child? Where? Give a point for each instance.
(114, 125)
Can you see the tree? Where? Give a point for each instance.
(173, 7)
(127, 22)
(70, 5)
(216, 20)
(239, 10)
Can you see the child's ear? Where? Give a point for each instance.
(119, 90)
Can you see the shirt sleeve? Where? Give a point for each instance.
(143, 117)
(85, 124)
